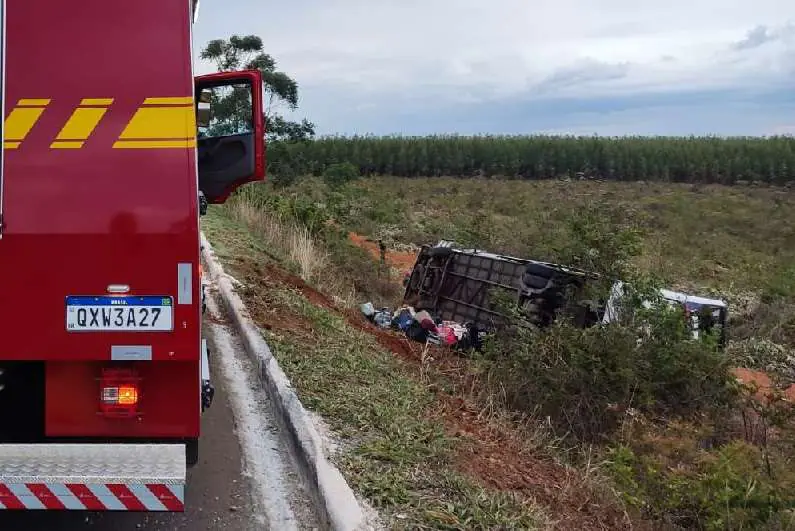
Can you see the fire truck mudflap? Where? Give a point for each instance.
(92, 477)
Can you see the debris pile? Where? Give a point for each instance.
(423, 327)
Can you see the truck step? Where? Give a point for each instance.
(93, 477)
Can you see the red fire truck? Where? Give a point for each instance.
(103, 369)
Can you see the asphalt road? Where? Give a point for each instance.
(244, 480)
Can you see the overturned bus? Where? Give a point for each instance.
(459, 285)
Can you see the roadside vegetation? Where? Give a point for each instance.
(387, 427)
(656, 434)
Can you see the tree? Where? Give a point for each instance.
(247, 52)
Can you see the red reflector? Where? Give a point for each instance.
(119, 392)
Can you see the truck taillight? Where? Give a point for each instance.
(119, 392)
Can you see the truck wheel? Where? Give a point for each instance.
(535, 281)
(440, 252)
(191, 452)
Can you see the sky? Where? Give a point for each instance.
(606, 67)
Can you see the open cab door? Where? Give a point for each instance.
(231, 132)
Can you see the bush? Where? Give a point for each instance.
(294, 207)
(584, 380)
(349, 272)
(684, 443)
(340, 174)
(727, 488)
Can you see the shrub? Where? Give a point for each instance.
(585, 379)
(340, 174)
(726, 488)
(315, 242)
(684, 442)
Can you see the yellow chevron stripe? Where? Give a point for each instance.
(81, 124)
(149, 144)
(161, 123)
(180, 100)
(20, 121)
(67, 144)
(96, 101)
(33, 102)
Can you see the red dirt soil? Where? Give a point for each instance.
(402, 261)
(400, 345)
(763, 383)
(496, 457)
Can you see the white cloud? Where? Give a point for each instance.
(432, 52)
(788, 130)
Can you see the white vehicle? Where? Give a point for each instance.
(702, 312)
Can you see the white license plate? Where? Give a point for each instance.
(119, 314)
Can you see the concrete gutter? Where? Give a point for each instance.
(332, 495)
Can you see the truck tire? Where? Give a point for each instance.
(539, 270)
(535, 282)
(191, 452)
(440, 252)
(537, 276)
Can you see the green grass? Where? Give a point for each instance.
(712, 235)
(392, 452)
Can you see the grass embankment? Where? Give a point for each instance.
(393, 445)
(692, 468)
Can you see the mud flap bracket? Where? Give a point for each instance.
(207, 388)
(93, 477)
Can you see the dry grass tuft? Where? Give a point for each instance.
(288, 238)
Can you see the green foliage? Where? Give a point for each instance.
(231, 111)
(782, 284)
(349, 262)
(665, 407)
(585, 379)
(247, 52)
(279, 128)
(603, 238)
(339, 174)
(295, 207)
(667, 159)
(726, 488)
